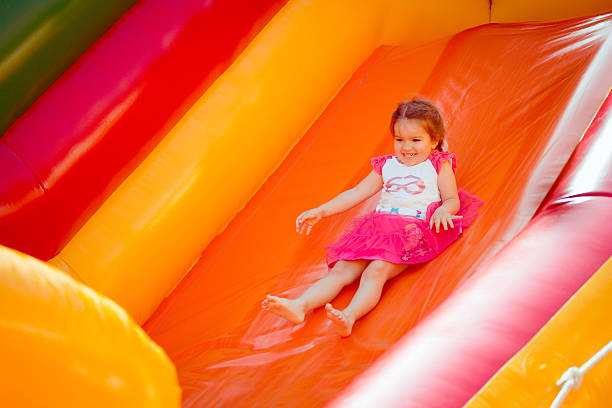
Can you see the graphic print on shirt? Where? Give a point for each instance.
(410, 184)
(407, 190)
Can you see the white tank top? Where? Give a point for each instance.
(408, 190)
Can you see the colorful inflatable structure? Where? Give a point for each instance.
(160, 172)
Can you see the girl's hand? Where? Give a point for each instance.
(442, 216)
(307, 219)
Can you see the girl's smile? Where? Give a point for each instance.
(412, 143)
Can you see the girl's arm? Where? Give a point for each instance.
(447, 184)
(342, 202)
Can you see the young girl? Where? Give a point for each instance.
(419, 196)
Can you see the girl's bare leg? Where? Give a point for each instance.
(366, 297)
(320, 293)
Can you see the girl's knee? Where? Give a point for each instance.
(382, 270)
(376, 272)
(345, 273)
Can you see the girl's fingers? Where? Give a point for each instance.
(298, 221)
(446, 221)
(305, 225)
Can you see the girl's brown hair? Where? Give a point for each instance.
(424, 111)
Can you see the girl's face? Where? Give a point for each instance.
(412, 143)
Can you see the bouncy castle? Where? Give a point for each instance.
(155, 153)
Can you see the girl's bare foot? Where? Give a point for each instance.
(290, 309)
(343, 324)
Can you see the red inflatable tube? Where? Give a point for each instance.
(589, 172)
(108, 111)
(453, 353)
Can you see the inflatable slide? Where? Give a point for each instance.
(160, 175)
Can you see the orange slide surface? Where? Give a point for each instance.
(509, 95)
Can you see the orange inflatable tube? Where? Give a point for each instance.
(63, 345)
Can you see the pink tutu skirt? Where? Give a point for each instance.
(400, 239)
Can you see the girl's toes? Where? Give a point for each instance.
(333, 314)
(265, 304)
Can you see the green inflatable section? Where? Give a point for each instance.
(40, 39)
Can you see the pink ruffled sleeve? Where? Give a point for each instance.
(437, 158)
(379, 162)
